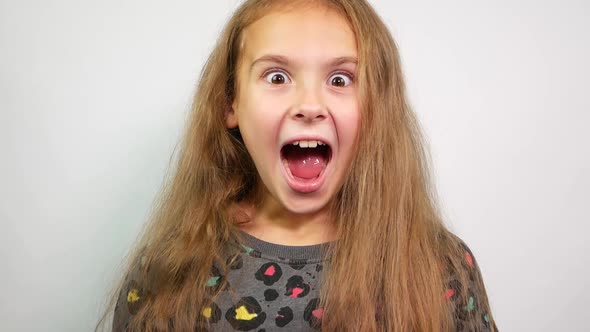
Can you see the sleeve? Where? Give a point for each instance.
(471, 311)
(129, 301)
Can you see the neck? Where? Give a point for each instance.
(271, 222)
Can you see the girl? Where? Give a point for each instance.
(301, 198)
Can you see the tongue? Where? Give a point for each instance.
(306, 163)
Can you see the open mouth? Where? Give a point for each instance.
(305, 163)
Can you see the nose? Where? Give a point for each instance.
(309, 106)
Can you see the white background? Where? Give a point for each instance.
(93, 95)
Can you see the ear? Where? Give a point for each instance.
(231, 117)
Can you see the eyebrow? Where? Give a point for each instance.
(284, 61)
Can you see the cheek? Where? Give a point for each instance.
(348, 123)
(259, 125)
(263, 116)
(260, 108)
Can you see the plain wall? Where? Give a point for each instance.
(94, 94)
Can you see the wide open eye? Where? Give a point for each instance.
(340, 80)
(277, 77)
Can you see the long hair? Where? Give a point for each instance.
(393, 249)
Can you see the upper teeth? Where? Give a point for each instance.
(308, 144)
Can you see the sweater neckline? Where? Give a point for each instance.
(315, 252)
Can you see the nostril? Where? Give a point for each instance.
(309, 113)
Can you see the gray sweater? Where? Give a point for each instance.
(278, 291)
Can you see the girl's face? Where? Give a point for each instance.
(296, 84)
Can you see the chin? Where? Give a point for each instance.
(302, 204)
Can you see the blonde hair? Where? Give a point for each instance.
(393, 254)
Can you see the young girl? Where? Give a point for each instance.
(301, 198)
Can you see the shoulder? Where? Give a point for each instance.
(466, 291)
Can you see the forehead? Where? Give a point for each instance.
(314, 33)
